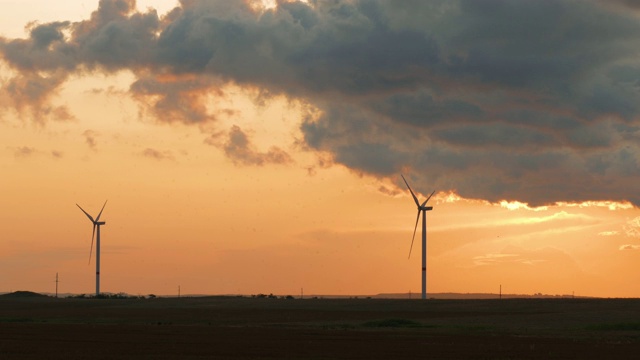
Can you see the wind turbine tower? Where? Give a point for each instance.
(421, 208)
(96, 224)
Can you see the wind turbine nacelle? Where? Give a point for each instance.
(100, 223)
(428, 208)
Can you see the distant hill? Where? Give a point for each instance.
(22, 294)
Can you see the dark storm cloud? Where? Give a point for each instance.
(633, 4)
(45, 50)
(536, 101)
(493, 135)
(421, 109)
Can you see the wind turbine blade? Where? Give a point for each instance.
(412, 194)
(425, 202)
(92, 236)
(414, 234)
(100, 213)
(86, 213)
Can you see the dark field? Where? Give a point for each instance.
(248, 328)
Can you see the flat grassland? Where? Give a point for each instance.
(264, 328)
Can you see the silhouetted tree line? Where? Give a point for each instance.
(120, 295)
(271, 296)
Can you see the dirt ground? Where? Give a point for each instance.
(248, 328)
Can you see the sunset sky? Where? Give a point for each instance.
(252, 147)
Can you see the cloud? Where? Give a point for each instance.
(608, 233)
(240, 150)
(632, 227)
(559, 216)
(516, 205)
(174, 98)
(513, 255)
(30, 95)
(491, 259)
(536, 102)
(611, 205)
(157, 154)
(391, 191)
(634, 4)
(24, 151)
(629, 247)
(90, 138)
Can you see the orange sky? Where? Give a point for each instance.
(181, 213)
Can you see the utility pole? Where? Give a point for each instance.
(178, 291)
(56, 285)
(500, 291)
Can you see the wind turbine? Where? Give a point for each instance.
(96, 224)
(421, 207)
